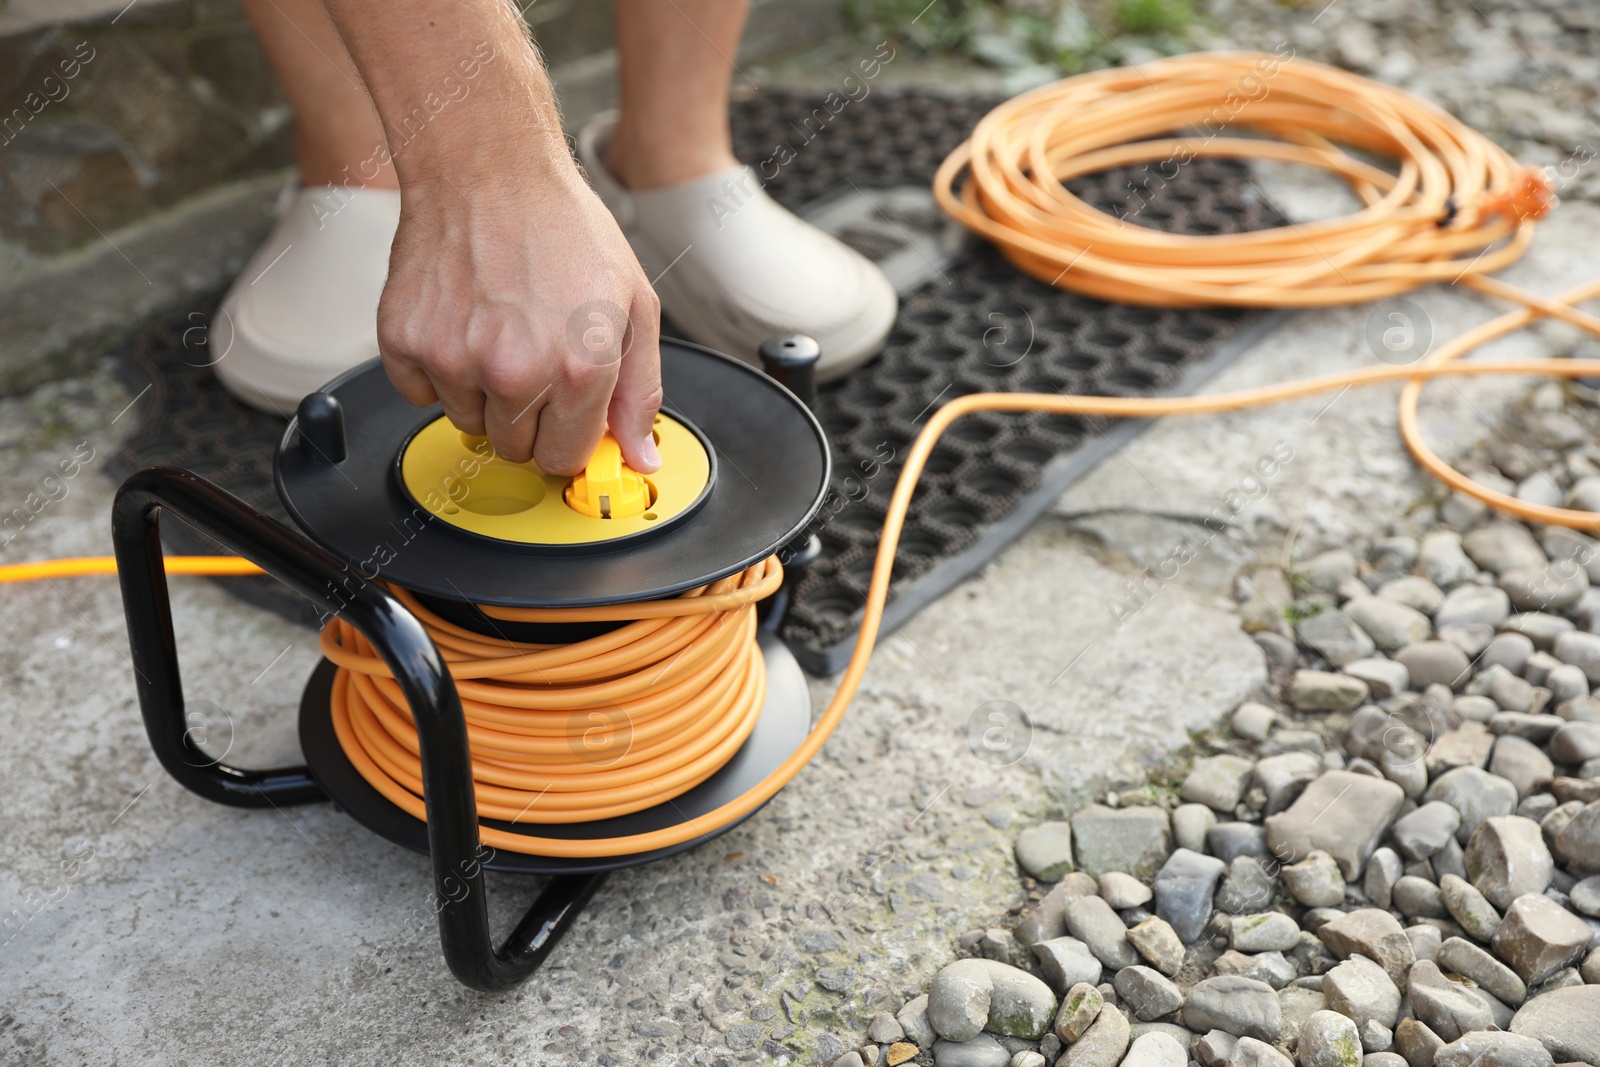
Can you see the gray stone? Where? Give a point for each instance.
(1507, 857)
(1383, 1059)
(1158, 943)
(1578, 842)
(1476, 708)
(1540, 664)
(1213, 1048)
(1156, 1050)
(1079, 1008)
(1253, 721)
(1486, 1049)
(1328, 1039)
(1582, 651)
(1535, 729)
(1423, 832)
(1067, 962)
(1431, 662)
(1473, 605)
(1135, 839)
(1475, 794)
(1470, 961)
(1469, 907)
(1538, 937)
(1390, 624)
(850, 1059)
(1343, 814)
(1147, 993)
(1375, 1037)
(1190, 824)
(1384, 677)
(1360, 989)
(1270, 931)
(1580, 709)
(1273, 968)
(1468, 745)
(1335, 636)
(1441, 558)
(1515, 694)
(1282, 777)
(1471, 638)
(1326, 570)
(1418, 1044)
(1029, 1058)
(1319, 691)
(1092, 921)
(1566, 682)
(1552, 587)
(1123, 891)
(1565, 1021)
(1508, 650)
(1045, 851)
(1020, 1005)
(1448, 1009)
(1249, 1052)
(884, 1029)
(1383, 871)
(1537, 806)
(958, 1000)
(1297, 1003)
(1418, 898)
(1247, 887)
(1315, 881)
(1575, 742)
(1503, 545)
(980, 1051)
(1374, 934)
(1522, 763)
(1240, 1006)
(1540, 628)
(1585, 897)
(1184, 892)
(1414, 592)
(1425, 940)
(1102, 1045)
(1218, 782)
(913, 1019)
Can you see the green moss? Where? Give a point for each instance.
(1154, 16)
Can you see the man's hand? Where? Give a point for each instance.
(513, 298)
(520, 307)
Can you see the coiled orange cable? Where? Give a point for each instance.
(684, 674)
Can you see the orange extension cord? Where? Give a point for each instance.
(639, 715)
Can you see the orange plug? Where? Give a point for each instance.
(1531, 196)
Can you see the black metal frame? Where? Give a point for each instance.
(418, 668)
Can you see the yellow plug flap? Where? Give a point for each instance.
(608, 488)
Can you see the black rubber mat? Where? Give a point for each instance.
(977, 325)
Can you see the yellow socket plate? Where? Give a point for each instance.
(461, 481)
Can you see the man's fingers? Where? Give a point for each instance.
(571, 423)
(409, 380)
(462, 405)
(513, 424)
(637, 396)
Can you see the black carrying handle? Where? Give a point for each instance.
(418, 668)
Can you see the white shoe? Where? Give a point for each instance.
(733, 268)
(305, 308)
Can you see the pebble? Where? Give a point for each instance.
(1418, 1044)
(1360, 989)
(1282, 777)
(1484, 1049)
(1079, 1008)
(1045, 851)
(1243, 1007)
(1102, 1045)
(1147, 993)
(1341, 813)
(1522, 763)
(1335, 636)
(1503, 545)
(913, 1019)
(1067, 962)
(1537, 806)
(1159, 944)
(1418, 898)
(1273, 968)
(1315, 881)
(1473, 605)
(1430, 662)
(1156, 1050)
(958, 1000)
(1475, 794)
(1539, 627)
(1020, 1005)
(1383, 871)
(1507, 857)
(1249, 1052)
(1508, 650)
(1580, 709)
(1565, 1021)
(1414, 592)
(1134, 840)
(1326, 570)
(1218, 782)
(1448, 1009)
(1375, 1037)
(1538, 937)
(1123, 891)
(1578, 843)
(1253, 721)
(1582, 651)
(1213, 1048)
(1092, 921)
(1423, 832)
(1384, 677)
(884, 1029)
(1319, 691)
(1190, 824)
(1270, 931)
(1470, 961)
(1328, 1039)
(1384, 1059)
(1425, 940)
(1585, 897)
(1441, 557)
(1247, 887)
(1280, 652)
(1566, 682)
(1535, 729)
(1390, 624)
(1469, 907)
(980, 1051)
(1184, 891)
(1372, 933)
(1029, 1058)
(1575, 742)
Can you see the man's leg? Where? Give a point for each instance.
(337, 132)
(676, 59)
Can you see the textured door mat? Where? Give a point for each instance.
(968, 323)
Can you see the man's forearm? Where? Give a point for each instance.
(461, 92)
